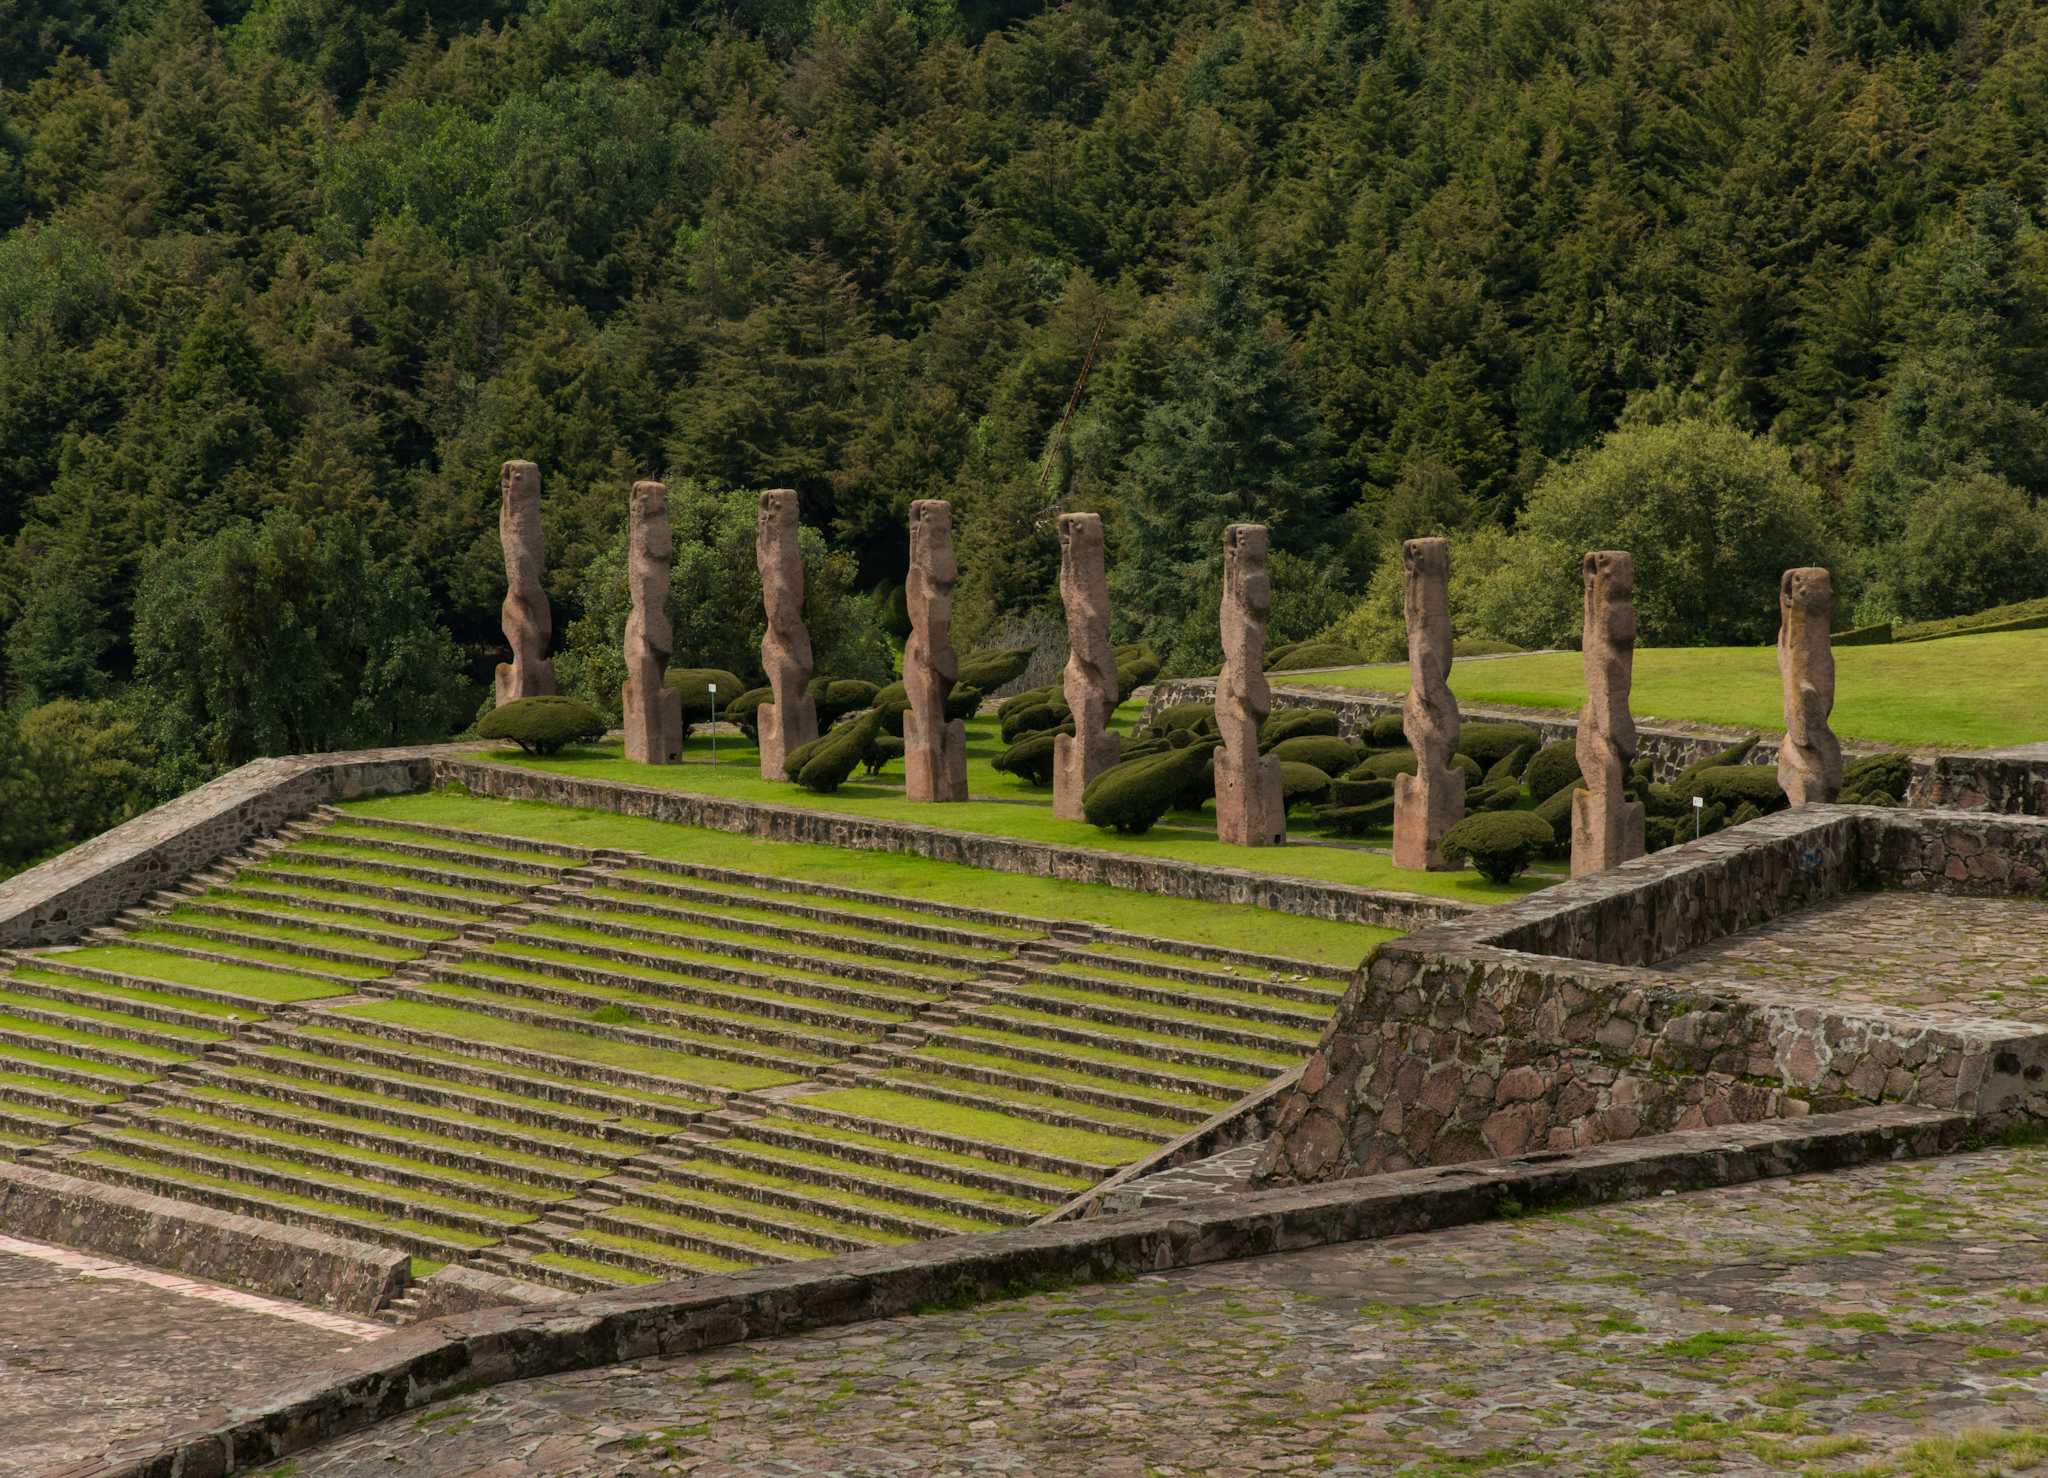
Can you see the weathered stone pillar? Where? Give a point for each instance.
(934, 750)
(1607, 827)
(1432, 800)
(1250, 810)
(1810, 760)
(528, 624)
(654, 712)
(1091, 666)
(792, 719)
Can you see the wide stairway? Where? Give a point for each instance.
(586, 1068)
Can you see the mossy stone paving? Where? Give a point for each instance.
(584, 1067)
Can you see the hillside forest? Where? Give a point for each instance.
(1734, 284)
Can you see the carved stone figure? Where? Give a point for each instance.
(1250, 810)
(654, 712)
(1432, 800)
(792, 719)
(1091, 688)
(528, 624)
(1810, 760)
(1607, 827)
(934, 751)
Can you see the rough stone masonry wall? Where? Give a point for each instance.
(1544, 1025)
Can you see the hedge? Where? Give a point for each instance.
(1733, 785)
(1511, 765)
(543, 725)
(1355, 820)
(1556, 812)
(1489, 744)
(743, 709)
(1360, 792)
(884, 748)
(1134, 794)
(1294, 723)
(1331, 755)
(828, 762)
(836, 697)
(694, 684)
(1734, 754)
(1136, 665)
(1552, 768)
(1391, 762)
(1315, 654)
(992, 669)
(1183, 716)
(1302, 784)
(1035, 719)
(1500, 844)
(1031, 758)
(1885, 775)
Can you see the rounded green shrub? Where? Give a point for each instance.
(1734, 754)
(1302, 784)
(1510, 766)
(836, 697)
(992, 669)
(896, 613)
(1500, 844)
(963, 702)
(1387, 732)
(1391, 762)
(1136, 665)
(1183, 716)
(1036, 719)
(1328, 753)
(1355, 820)
(1557, 815)
(1130, 796)
(1030, 759)
(829, 761)
(1029, 698)
(1314, 654)
(881, 750)
(1275, 654)
(892, 702)
(1885, 775)
(543, 725)
(1498, 796)
(1489, 744)
(1360, 792)
(693, 684)
(1733, 785)
(1744, 814)
(1293, 723)
(1552, 768)
(742, 709)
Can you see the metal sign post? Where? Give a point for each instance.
(714, 724)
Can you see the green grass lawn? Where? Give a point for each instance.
(1236, 926)
(1966, 692)
(1002, 805)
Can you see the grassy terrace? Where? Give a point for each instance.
(1002, 805)
(1966, 692)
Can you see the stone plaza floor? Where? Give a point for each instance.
(94, 1353)
(1930, 953)
(1886, 1320)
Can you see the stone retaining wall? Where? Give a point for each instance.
(85, 887)
(1545, 1024)
(2009, 783)
(284, 1262)
(433, 1361)
(1163, 876)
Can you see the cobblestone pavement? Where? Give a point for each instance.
(89, 1359)
(1887, 1320)
(1929, 952)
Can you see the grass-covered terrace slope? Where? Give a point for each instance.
(1231, 926)
(1969, 692)
(1002, 805)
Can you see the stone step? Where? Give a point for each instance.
(754, 1000)
(1204, 1026)
(354, 905)
(1192, 1051)
(571, 854)
(235, 913)
(459, 857)
(792, 933)
(123, 980)
(899, 1219)
(739, 1235)
(1128, 1098)
(1071, 1116)
(323, 1216)
(130, 1029)
(771, 884)
(240, 939)
(87, 1047)
(1320, 992)
(547, 1276)
(709, 897)
(285, 1109)
(652, 1260)
(305, 857)
(1286, 1012)
(700, 1046)
(244, 962)
(1104, 940)
(83, 993)
(329, 880)
(71, 1071)
(775, 962)
(766, 1147)
(50, 1096)
(21, 1121)
(195, 1158)
(912, 1138)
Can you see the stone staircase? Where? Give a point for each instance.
(581, 1067)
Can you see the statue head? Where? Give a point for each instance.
(1245, 580)
(1426, 558)
(1611, 596)
(931, 541)
(777, 510)
(1079, 533)
(1809, 590)
(518, 480)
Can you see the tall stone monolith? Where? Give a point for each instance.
(653, 710)
(1432, 800)
(528, 624)
(1091, 688)
(934, 750)
(1250, 809)
(1810, 760)
(792, 719)
(1607, 827)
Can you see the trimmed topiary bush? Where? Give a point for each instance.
(1130, 796)
(1029, 698)
(964, 702)
(884, 748)
(1733, 785)
(694, 686)
(1295, 723)
(991, 669)
(892, 702)
(1556, 812)
(1734, 754)
(1183, 716)
(1552, 768)
(1315, 654)
(1500, 844)
(543, 725)
(1279, 653)
(1498, 796)
(1302, 784)
(1352, 821)
(1030, 759)
(1391, 762)
(1331, 755)
(1136, 665)
(1510, 767)
(1489, 744)
(1387, 732)
(836, 697)
(742, 709)
(1877, 780)
(1360, 792)
(829, 761)
(1036, 719)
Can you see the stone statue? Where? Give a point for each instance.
(654, 711)
(792, 719)
(528, 624)
(934, 751)
(1810, 760)
(1091, 687)
(1250, 810)
(1432, 800)
(1607, 827)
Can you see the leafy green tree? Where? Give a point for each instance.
(1970, 543)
